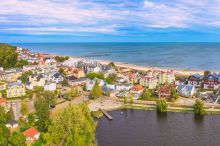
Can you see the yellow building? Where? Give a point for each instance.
(3, 86)
(13, 76)
(15, 89)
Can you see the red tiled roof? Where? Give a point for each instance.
(2, 101)
(31, 132)
(137, 88)
(164, 89)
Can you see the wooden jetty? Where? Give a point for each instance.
(106, 114)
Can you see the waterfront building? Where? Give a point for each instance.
(164, 91)
(166, 77)
(212, 81)
(148, 81)
(195, 80)
(186, 90)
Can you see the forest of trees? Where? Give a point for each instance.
(9, 57)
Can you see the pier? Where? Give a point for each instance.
(106, 114)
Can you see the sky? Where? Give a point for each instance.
(109, 21)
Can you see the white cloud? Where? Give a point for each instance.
(68, 16)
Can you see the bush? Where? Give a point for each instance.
(97, 114)
(161, 105)
(199, 107)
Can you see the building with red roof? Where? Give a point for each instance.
(137, 89)
(2, 101)
(31, 134)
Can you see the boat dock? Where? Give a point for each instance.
(106, 114)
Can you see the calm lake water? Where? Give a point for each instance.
(148, 128)
(201, 56)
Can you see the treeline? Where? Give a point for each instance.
(9, 57)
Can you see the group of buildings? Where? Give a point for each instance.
(47, 73)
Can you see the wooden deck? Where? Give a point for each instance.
(106, 114)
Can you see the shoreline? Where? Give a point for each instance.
(183, 72)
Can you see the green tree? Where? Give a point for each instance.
(10, 115)
(17, 139)
(4, 135)
(21, 63)
(51, 97)
(41, 106)
(61, 59)
(62, 72)
(161, 105)
(74, 91)
(4, 132)
(125, 100)
(3, 116)
(173, 94)
(9, 57)
(146, 95)
(64, 82)
(24, 108)
(199, 107)
(74, 126)
(131, 99)
(112, 64)
(93, 75)
(111, 78)
(25, 76)
(96, 91)
(206, 73)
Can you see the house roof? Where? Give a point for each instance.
(187, 87)
(14, 84)
(2, 101)
(12, 122)
(31, 132)
(212, 77)
(165, 89)
(137, 88)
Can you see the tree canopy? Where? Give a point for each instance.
(146, 95)
(61, 59)
(73, 126)
(173, 94)
(41, 106)
(17, 139)
(25, 76)
(111, 78)
(96, 91)
(93, 75)
(199, 107)
(161, 105)
(24, 108)
(9, 57)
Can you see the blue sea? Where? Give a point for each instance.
(198, 56)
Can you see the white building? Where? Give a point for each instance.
(50, 87)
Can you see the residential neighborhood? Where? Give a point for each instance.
(63, 81)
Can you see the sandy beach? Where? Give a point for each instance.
(183, 72)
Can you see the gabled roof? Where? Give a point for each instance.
(212, 77)
(14, 84)
(187, 87)
(2, 101)
(31, 132)
(137, 88)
